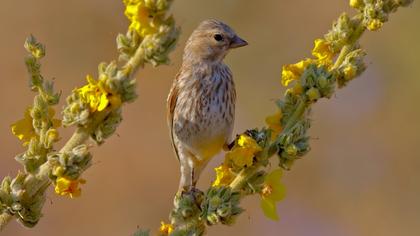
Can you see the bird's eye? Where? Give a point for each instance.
(218, 37)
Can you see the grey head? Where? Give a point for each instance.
(211, 41)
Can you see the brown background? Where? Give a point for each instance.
(361, 178)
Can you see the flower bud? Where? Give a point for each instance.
(187, 212)
(291, 150)
(313, 94)
(58, 171)
(224, 211)
(52, 136)
(358, 4)
(374, 25)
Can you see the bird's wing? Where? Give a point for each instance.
(171, 104)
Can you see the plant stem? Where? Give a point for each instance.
(300, 109)
(130, 68)
(243, 176)
(79, 136)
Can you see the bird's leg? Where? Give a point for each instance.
(190, 170)
(187, 172)
(198, 167)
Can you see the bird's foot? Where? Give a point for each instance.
(192, 192)
(228, 146)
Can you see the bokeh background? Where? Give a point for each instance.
(361, 177)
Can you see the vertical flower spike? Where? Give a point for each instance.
(94, 108)
(272, 192)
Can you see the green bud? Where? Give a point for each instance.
(224, 211)
(341, 32)
(313, 94)
(213, 219)
(5, 184)
(102, 68)
(187, 212)
(36, 49)
(112, 69)
(157, 46)
(352, 66)
(16, 207)
(107, 127)
(322, 82)
(291, 150)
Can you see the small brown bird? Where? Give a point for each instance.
(201, 103)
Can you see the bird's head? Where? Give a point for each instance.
(211, 41)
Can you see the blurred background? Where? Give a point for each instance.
(361, 178)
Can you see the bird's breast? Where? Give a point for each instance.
(204, 115)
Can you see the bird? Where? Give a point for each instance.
(201, 101)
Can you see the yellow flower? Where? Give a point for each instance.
(322, 51)
(165, 229)
(274, 124)
(24, 130)
(272, 192)
(294, 71)
(140, 17)
(374, 25)
(68, 187)
(243, 153)
(224, 176)
(97, 96)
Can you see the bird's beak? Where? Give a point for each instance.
(237, 42)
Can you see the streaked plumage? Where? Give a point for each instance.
(201, 103)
